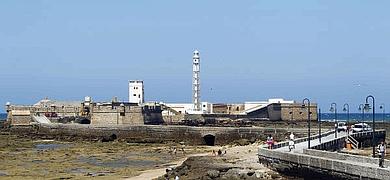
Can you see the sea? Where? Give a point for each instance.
(3, 116)
(358, 117)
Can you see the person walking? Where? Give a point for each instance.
(292, 136)
(291, 143)
(382, 153)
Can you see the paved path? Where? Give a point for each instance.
(303, 145)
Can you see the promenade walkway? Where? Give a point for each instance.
(353, 166)
(303, 145)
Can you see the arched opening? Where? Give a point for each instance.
(85, 121)
(209, 140)
(113, 137)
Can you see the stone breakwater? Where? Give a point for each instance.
(148, 133)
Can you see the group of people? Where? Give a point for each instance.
(219, 153)
(270, 141)
(173, 150)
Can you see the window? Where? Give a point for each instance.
(134, 95)
(139, 95)
(204, 105)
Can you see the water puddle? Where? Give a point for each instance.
(119, 163)
(3, 173)
(41, 147)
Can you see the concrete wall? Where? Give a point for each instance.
(115, 115)
(20, 120)
(173, 119)
(287, 162)
(295, 112)
(325, 163)
(343, 156)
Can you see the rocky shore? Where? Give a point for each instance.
(239, 162)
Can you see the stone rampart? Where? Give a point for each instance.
(147, 133)
(110, 115)
(295, 112)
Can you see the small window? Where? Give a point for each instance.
(122, 114)
(139, 95)
(204, 105)
(134, 95)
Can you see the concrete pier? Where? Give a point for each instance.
(317, 160)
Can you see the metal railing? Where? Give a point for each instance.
(354, 142)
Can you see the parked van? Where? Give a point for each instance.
(361, 127)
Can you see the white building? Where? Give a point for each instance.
(136, 92)
(188, 108)
(254, 105)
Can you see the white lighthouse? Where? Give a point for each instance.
(196, 81)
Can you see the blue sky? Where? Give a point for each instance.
(329, 51)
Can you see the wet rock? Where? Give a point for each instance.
(231, 174)
(2, 173)
(250, 173)
(213, 173)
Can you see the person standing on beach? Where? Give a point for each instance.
(382, 153)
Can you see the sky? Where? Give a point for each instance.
(328, 51)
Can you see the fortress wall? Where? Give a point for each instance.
(145, 133)
(297, 112)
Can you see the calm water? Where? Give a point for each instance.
(355, 117)
(3, 116)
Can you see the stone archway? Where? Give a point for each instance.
(85, 121)
(209, 139)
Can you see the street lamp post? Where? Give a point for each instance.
(367, 108)
(308, 119)
(333, 108)
(291, 117)
(346, 109)
(361, 108)
(319, 125)
(383, 112)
